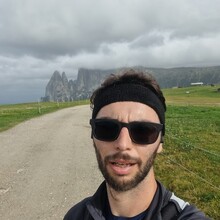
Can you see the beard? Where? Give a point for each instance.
(124, 185)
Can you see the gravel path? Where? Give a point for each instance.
(47, 164)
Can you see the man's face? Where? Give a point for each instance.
(125, 164)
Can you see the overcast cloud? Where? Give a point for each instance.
(38, 37)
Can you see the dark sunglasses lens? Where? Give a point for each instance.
(106, 130)
(143, 133)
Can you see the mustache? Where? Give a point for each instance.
(122, 156)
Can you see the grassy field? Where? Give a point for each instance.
(11, 115)
(195, 95)
(190, 162)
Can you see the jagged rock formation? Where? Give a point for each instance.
(60, 88)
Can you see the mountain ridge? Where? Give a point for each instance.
(59, 88)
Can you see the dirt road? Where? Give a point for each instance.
(47, 164)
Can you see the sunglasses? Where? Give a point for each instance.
(140, 132)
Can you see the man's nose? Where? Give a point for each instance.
(123, 141)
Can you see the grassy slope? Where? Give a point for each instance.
(198, 95)
(190, 162)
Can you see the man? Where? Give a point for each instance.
(128, 127)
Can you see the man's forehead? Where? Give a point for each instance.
(128, 110)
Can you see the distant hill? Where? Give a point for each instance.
(59, 88)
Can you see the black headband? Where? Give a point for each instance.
(129, 92)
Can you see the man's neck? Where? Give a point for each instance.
(134, 201)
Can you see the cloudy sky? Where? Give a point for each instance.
(38, 37)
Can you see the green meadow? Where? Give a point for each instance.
(194, 95)
(11, 115)
(190, 162)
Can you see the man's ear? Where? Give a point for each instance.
(162, 139)
(160, 148)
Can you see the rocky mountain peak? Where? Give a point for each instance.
(64, 79)
(59, 88)
(55, 77)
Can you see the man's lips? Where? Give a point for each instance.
(121, 167)
(122, 163)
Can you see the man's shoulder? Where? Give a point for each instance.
(176, 208)
(90, 206)
(183, 210)
(190, 212)
(78, 210)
